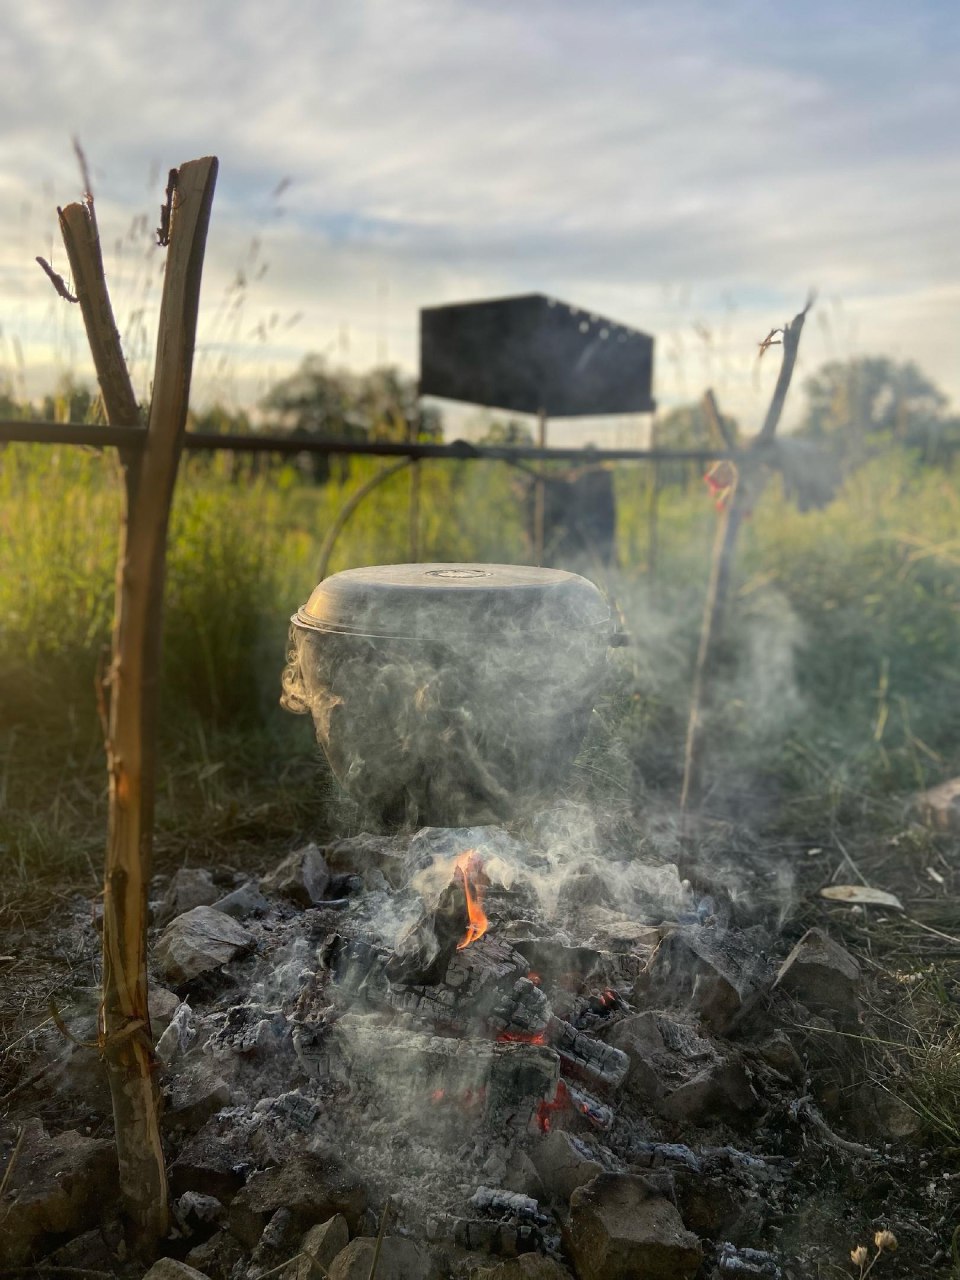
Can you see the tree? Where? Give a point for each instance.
(509, 431)
(872, 400)
(381, 404)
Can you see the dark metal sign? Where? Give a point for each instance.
(532, 353)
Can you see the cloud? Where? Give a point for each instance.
(663, 163)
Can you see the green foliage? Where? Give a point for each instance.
(379, 404)
(839, 683)
(859, 403)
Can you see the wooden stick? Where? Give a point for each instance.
(131, 746)
(748, 487)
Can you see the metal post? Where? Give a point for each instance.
(539, 493)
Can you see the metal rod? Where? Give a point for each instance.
(23, 431)
(540, 494)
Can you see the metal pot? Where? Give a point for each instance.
(448, 694)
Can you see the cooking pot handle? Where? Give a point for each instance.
(293, 696)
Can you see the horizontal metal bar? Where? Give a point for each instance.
(288, 444)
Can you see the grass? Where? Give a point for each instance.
(837, 695)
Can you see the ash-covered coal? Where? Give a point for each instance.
(452, 1032)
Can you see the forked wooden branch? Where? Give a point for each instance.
(748, 486)
(125, 1039)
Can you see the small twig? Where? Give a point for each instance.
(57, 280)
(52, 1269)
(387, 1208)
(771, 340)
(304, 1253)
(79, 152)
(24, 1085)
(163, 231)
(12, 1161)
(804, 1109)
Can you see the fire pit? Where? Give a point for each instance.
(448, 694)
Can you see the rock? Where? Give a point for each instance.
(96, 1250)
(198, 941)
(217, 1256)
(822, 975)
(358, 855)
(313, 1187)
(721, 971)
(242, 903)
(564, 1163)
(720, 1092)
(529, 1266)
(193, 1097)
(874, 1114)
(196, 1213)
(778, 1052)
(619, 1229)
(190, 887)
(321, 1244)
(162, 1004)
(207, 1164)
(59, 1186)
(940, 806)
(400, 1259)
(639, 1037)
(302, 877)
(170, 1269)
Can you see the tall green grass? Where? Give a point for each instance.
(840, 681)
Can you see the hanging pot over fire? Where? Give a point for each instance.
(448, 694)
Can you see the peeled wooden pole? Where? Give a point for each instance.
(747, 489)
(131, 743)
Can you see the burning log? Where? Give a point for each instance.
(584, 1056)
(508, 1203)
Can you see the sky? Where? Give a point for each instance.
(688, 168)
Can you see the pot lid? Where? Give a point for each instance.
(429, 600)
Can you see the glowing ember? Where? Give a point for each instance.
(522, 1037)
(561, 1101)
(470, 866)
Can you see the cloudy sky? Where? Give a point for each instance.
(690, 168)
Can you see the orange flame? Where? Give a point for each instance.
(470, 865)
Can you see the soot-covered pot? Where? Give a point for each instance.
(447, 694)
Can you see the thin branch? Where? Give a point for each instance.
(57, 280)
(79, 152)
(791, 344)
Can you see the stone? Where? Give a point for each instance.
(876, 1114)
(721, 971)
(314, 1187)
(194, 1095)
(722, 1091)
(529, 1266)
(357, 855)
(170, 1269)
(778, 1052)
(302, 877)
(400, 1259)
(96, 1250)
(564, 1162)
(940, 806)
(639, 1037)
(620, 1229)
(318, 1248)
(162, 1005)
(822, 975)
(209, 1165)
(199, 941)
(217, 1256)
(59, 1186)
(243, 902)
(190, 887)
